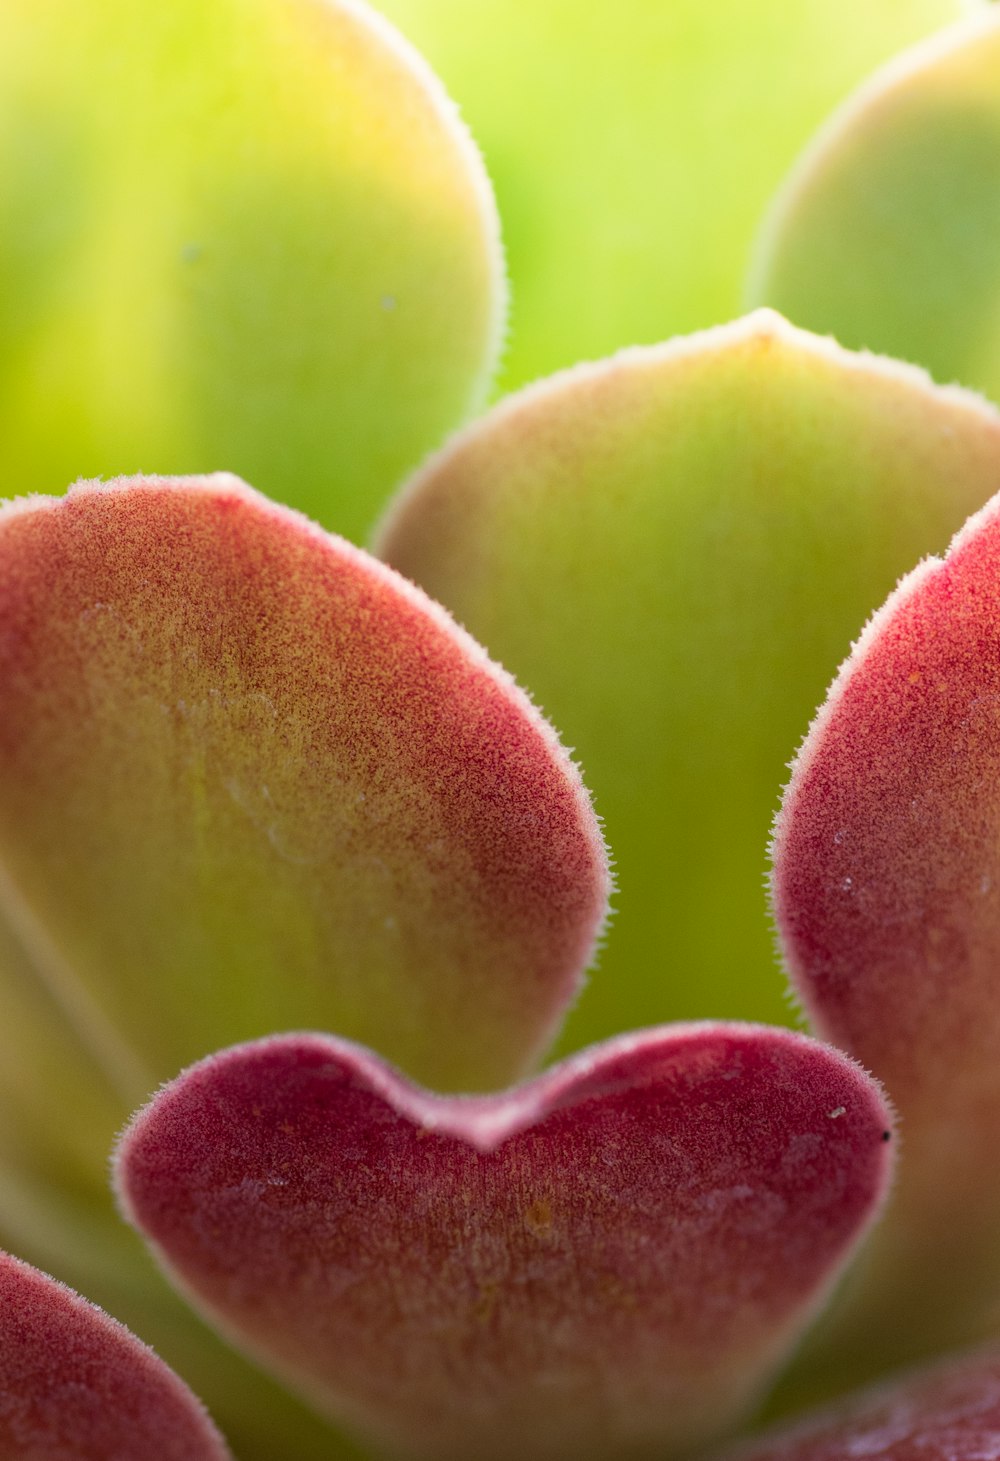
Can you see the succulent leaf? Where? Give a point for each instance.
(249, 776)
(671, 549)
(245, 234)
(76, 1386)
(84, 1241)
(886, 887)
(609, 1261)
(948, 1413)
(885, 233)
(617, 136)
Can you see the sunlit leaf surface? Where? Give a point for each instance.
(886, 233)
(673, 550)
(235, 234)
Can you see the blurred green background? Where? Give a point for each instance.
(634, 145)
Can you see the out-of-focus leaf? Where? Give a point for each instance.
(672, 550)
(886, 233)
(634, 144)
(948, 1413)
(240, 234)
(609, 1261)
(59, 1115)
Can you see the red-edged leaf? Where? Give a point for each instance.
(948, 1413)
(609, 1260)
(887, 894)
(251, 779)
(77, 1386)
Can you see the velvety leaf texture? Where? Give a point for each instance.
(607, 1262)
(76, 1386)
(250, 778)
(886, 887)
(948, 1413)
(672, 549)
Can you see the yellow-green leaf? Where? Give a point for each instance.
(886, 233)
(240, 234)
(673, 550)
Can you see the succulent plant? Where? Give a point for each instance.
(298, 883)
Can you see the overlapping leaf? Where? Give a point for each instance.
(251, 780)
(948, 1413)
(634, 144)
(886, 879)
(75, 1386)
(672, 549)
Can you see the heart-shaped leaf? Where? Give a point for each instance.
(249, 777)
(887, 897)
(608, 1261)
(76, 1386)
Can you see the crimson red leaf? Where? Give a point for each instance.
(887, 895)
(77, 1386)
(609, 1260)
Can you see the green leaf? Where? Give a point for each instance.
(885, 234)
(235, 234)
(673, 550)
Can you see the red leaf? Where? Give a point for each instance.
(887, 896)
(77, 1386)
(611, 1258)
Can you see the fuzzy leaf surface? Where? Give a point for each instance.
(672, 549)
(607, 1262)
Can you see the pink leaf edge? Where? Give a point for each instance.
(350, 813)
(886, 879)
(886, 891)
(950, 1412)
(609, 1260)
(75, 1385)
